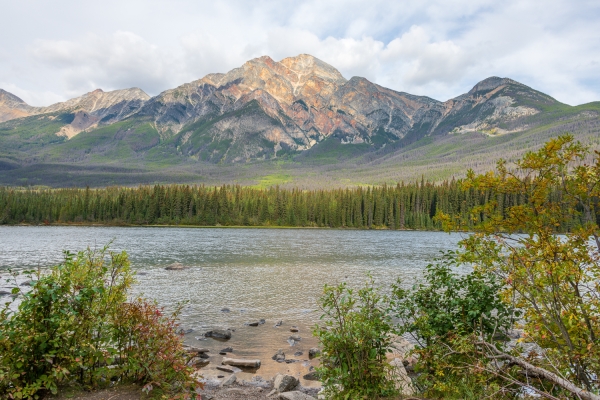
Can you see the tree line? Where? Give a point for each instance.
(403, 206)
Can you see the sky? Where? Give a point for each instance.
(51, 51)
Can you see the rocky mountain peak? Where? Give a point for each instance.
(305, 64)
(12, 107)
(492, 83)
(7, 97)
(98, 100)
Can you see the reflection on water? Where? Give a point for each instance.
(271, 274)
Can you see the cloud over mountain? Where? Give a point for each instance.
(435, 48)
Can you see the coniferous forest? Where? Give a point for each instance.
(404, 206)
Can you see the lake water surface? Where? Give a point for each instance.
(271, 274)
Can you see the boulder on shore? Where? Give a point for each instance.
(230, 380)
(295, 395)
(312, 376)
(284, 383)
(198, 362)
(403, 382)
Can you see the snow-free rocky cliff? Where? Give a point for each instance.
(268, 108)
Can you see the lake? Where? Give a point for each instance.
(271, 274)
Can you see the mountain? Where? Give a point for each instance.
(12, 107)
(299, 110)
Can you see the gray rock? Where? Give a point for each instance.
(284, 383)
(225, 309)
(241, 362)
(28, 283)
(313, 352)
(197, 362)
(5, 293)
(294, 329)
(219, 333)
(226, 350)
(295, 395)
(298, 353)
(312, 376)
(278, 324)
(226, 368)
(253, 323)
(176, 267)
(402, 380)
(295, 338)
(229, 380)
(279, 356)
(262, 322)
(192, 349)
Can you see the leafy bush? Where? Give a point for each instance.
(74, 326)
(151, 347)
(355, 336)
(555, 279)
(446, 303)
(447, 314)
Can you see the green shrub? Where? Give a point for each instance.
(74, 326)
(447, 314)
(448, 303)
(355, 336)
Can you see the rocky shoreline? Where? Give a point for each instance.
(227, 375)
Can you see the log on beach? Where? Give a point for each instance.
(238, 362)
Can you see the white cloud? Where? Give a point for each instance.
(439, 48)
(34, 98)
(120, 60)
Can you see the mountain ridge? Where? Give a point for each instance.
(299, 109)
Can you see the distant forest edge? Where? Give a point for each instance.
(404, 206)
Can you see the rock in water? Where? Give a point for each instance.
(197, 362)
(226, 368)
(175, 267)
(239, 362)
(219, 333)
(295, 338)
(294, 329)
(279, 356)
(192, 349)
